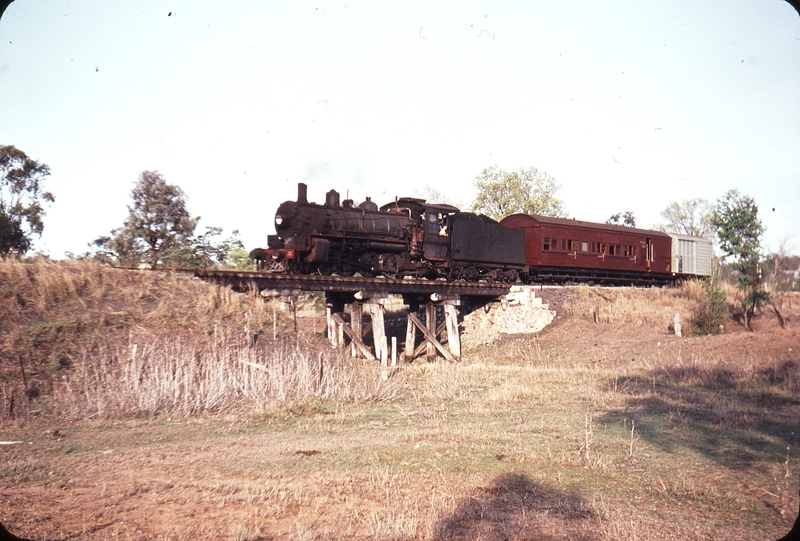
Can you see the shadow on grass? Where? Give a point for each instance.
(733, 416)
(514, 507)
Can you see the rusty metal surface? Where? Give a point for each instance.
(264, 280)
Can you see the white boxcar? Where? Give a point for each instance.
(691, 255)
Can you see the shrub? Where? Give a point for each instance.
(712, 312)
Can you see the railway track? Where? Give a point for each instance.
(242, 281)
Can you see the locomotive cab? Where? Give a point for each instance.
(437, 231)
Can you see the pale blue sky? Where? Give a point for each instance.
(628, 104)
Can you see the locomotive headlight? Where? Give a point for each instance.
(278, 220)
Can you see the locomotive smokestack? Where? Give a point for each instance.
(302, 193)
(332, 199)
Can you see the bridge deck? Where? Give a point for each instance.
(265, 280)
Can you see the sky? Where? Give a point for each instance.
(629, 105)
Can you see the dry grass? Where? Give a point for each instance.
(641, 307)
(80, 340)
(153, 377)
(607, 430)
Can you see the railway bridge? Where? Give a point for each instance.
(359, 296)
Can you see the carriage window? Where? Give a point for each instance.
(547, 243)
(584, 246)
(612, 249)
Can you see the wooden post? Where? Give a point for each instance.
(356, 339)
(430, 323)
(329, 326)
(293, 304)
(430, 337)
(335, 307)
(394, 351)
(384, 369)
(451, 320)
(384, 360)
(677, 323)
(421, 348)
(379, 331)
(356, 317)
(411, 336)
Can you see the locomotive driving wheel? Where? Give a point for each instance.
(345, 270)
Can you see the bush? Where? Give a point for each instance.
(712, 313)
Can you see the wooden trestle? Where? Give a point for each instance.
(374, 306)
(360, 296)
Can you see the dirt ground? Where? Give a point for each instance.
(444, 466)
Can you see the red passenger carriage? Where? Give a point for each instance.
(558, 247)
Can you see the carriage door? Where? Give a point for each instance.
(437, 236)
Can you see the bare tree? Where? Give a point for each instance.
(782, 269)
(689, 217)
(434, 195)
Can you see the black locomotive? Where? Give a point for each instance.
(410, 237)
(407, 237)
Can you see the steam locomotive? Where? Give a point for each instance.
(412, 238)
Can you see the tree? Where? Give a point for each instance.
(22, 197)
(528, 191)
(158, 230)
(208, 252)
(239, 259)
(688, 217)
(739, 230)
(623, 218)
(782, 270)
